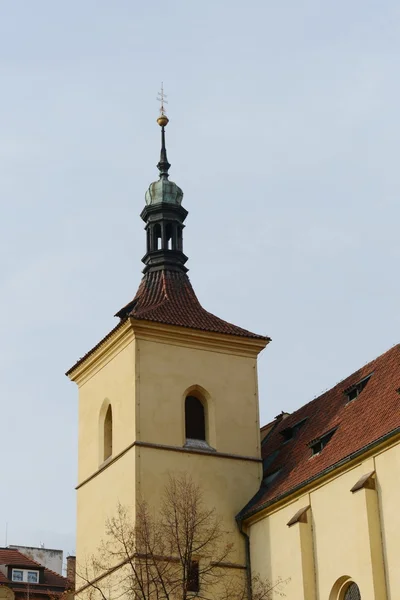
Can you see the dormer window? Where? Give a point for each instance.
(270, 477)
(33, 577)
(25, 576)
(319, 444)
(355, 390)
(289, 432)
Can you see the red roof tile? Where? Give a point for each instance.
(11, 557)
(374, 414)
(168, 297)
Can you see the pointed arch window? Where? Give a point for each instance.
(108, 434)
(352, 592)
(195, 421)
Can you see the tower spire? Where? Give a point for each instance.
(163, 165)
(164, 214)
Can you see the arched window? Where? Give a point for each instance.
(156, 237)
(169, 236)
(352, 592)
(108, 434)
(195, 422)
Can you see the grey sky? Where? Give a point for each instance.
(284, 136)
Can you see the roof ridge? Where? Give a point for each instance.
(328, 390)
(360, 423)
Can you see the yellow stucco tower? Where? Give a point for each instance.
(171, 389)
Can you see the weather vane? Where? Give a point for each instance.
(161, 97)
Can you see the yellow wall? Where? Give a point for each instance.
(388, 468)
(145, 379)
(346, 535)
(167, 371)
(275, 549)
(97, 501)
(6, 593)
(114, 381)
(226, 484)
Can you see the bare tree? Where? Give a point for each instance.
(179, 553)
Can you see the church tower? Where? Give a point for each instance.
(171, 389)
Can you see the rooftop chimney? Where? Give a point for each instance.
(71, 569)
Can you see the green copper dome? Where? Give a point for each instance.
(164, 191)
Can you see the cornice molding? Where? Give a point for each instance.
(195, 338)
(133, 328)
(306, 487)
(107, 350)
(167, 448)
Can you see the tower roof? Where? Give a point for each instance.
(165, 294)
(168, 297)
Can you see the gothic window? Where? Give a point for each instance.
(195, 422)
(352, 592)
(108, 433)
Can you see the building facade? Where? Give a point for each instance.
(327, 506)
(22, 578)
(48, 557)
(173, 388)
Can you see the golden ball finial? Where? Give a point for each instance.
(163, 120)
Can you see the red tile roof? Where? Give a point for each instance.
(374, 414)
(168, 297)
(9, 556)
(14, 558)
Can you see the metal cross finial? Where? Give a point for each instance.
(161, 97)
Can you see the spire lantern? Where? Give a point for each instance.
(163, 190)
(164, 215)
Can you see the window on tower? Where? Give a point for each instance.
(156, 237)
(169, 236)
(108, 433)
(193, 580)
(195, 422)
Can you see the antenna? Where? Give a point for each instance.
(6, 533)
(161, 97)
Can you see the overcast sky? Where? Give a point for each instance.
(284, 135)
